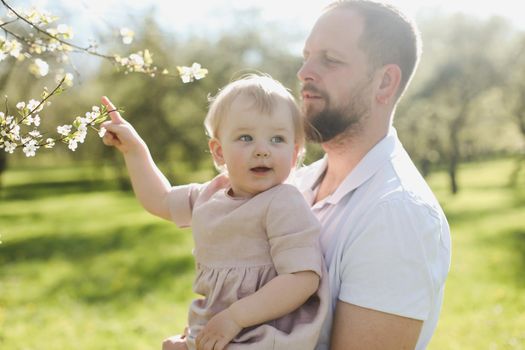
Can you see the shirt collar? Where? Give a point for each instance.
(365, 169)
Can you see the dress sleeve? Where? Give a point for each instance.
(293, 233)
(397, 261)
(181, 200)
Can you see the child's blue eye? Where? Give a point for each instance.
(277, 139)
(245, 138)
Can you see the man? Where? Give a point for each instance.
(385, 238)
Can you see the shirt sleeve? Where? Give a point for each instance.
(293, 233)
(393, 264)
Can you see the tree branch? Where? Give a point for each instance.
(88, 49)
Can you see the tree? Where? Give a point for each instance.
(35, 36)
(514, 98)
(445, 109)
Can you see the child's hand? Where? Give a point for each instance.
(120, 133)
(175, 343)
(219, 331)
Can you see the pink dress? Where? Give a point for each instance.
(240, 245)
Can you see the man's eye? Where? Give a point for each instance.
(277, 139)
(330, 59)
(245, 138)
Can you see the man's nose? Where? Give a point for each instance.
(307, 72)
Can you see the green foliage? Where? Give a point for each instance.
(465, 102)
(455, 110)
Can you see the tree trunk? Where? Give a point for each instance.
(3, 166)
(515, 174)
(452, 173)
(454, 155)
(520, 118)
(4, 79)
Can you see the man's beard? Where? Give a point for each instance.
(325, 125)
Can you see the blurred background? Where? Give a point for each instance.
(82, 264)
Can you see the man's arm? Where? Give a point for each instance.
(356, 327)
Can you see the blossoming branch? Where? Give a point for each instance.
(21, 130)
(35, 35)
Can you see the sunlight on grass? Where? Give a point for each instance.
(83, 266)
(89, 271)
(485, 301)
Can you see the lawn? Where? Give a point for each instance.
(83, 266)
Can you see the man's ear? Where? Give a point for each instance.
(390, 78)
(216, 151)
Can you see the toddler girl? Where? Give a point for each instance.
(256, 242)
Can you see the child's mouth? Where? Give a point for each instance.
(260, 169)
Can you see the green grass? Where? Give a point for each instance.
(83, 266)
(484, 304)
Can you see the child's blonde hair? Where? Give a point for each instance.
(265, 93)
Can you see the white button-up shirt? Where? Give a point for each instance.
(385, 239)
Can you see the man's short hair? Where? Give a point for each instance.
(389, 36)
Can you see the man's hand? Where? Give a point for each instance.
(120, 133)
(219, 331)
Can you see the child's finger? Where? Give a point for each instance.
(115, 115)
(110, 139)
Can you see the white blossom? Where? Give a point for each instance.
(15, 132)
(35, 134)
(127, 35)
(13, 47)
(136, 60)
(64, 129)
(68, 78)
(81, 120)
(30, 148)
(10, 146)
(195, 72)
(50, 143)
(72, 145)
(81, 133)
(39, 68)
(102, 132)
(20, 105)
(32, 104)
(65, 31)
(33, 120)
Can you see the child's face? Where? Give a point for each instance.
(258, 148)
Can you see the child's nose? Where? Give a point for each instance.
(262, 154)
(261, 151)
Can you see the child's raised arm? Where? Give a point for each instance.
(149, 184)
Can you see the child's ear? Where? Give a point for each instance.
(216, 151)
(295, 154)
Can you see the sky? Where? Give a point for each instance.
(212, 16)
